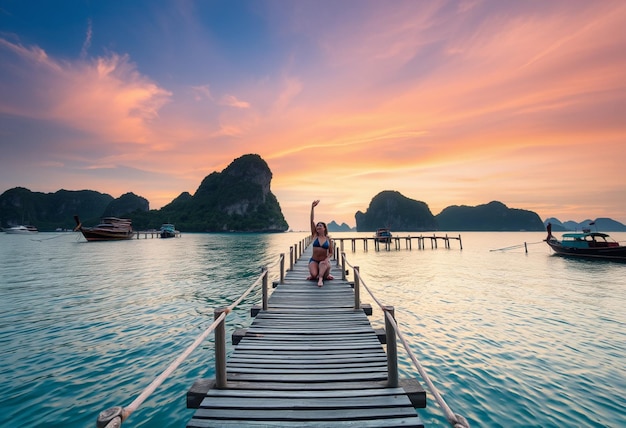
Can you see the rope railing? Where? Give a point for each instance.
(455, 420)
(514, 247)
(115, 416)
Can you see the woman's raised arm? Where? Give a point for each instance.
(313, 205)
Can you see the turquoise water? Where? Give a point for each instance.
(509, 338)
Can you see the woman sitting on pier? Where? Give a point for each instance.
(319, 264)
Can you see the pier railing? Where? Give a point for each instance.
(392, 330)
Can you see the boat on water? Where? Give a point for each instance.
(167, 230)
(109, 229)
(586, 244)
(383, 234)
(21, 230)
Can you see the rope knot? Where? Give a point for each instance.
(461, 422)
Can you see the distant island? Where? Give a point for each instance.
(393, 210)
(239, 199)
(334, 227)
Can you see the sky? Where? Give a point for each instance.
(447, 102)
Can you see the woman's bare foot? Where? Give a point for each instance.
(320, 282)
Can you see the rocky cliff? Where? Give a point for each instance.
(494, 216)
(237, 199)
(392, 209)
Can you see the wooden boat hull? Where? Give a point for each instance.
(614, 253)
(110, 229)
(103, 235)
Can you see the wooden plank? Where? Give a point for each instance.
(296, 414)
(370, 423)
(299, 402)
(362, 392)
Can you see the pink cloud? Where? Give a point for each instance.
(106, 96)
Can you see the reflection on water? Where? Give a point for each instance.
(506, 335)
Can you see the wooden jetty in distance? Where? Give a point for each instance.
(395, 242)
(309, 358)
(152, 234)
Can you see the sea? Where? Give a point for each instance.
(510, 334)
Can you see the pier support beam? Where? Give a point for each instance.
(392, 348)
(220, 350)
(357, 288)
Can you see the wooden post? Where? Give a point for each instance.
(343, 266)
(357, 292)
(264, 288)
(220, 350)
(291, 258)
(392, 348)
(111, 417)
(282, 268)
(460, 243)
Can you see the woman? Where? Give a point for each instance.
(319, 264)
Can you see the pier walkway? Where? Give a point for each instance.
(310, 359)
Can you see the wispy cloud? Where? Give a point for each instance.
(232, 101)
(202, 92)
(87, 43)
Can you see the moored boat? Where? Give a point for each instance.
(109, 229)
(167, 230)
(383, 234)
(586, 244)
(21, 230)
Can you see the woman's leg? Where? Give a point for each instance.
(313, 269)
(327, 275)
(324, 268)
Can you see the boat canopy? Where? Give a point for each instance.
(583, 235)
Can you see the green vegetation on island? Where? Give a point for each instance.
(393, 210)
(236, 199)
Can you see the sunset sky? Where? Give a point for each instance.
(447, 102)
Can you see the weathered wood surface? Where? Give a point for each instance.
(309, 360)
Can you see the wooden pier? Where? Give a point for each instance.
(308, 359)
(395, 242)
(152, 234)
